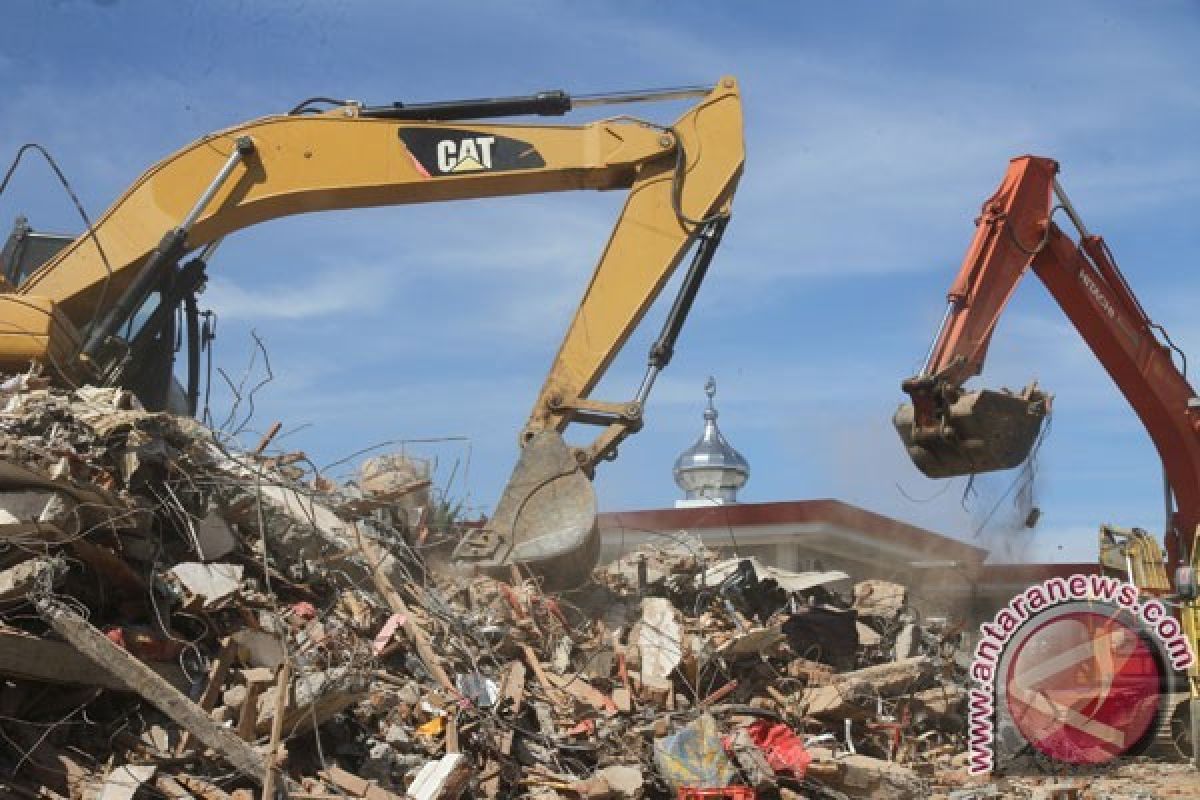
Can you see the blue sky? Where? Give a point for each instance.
(874, 133)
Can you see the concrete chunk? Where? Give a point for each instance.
(850, 691)
(865, 777)
(659, 642)
(444, 779)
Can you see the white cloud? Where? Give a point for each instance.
(333, 291)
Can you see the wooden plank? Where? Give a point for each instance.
(248, 719)
(265, 441)
(282, 682)
(578, 687)
(514, 690)
(217, 673)
(139, 678)
(539, 673)
(420, 640)
(202, 788)
(171, 788)
(509, 698)
(351, 784)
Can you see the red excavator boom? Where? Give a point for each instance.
(949, 431)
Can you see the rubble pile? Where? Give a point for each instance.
(179, 618)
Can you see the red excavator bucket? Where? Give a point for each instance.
(981, 431)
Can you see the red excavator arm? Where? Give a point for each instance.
(949, 431)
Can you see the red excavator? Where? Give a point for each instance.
(951, 431)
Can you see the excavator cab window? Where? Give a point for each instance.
(26, 250)
(151, 336)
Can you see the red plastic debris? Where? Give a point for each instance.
(514, 601)
(722, 793)
(384, 637)
(784, 751)
(143, 645)
(305, 611)
(553, 609)
(585, 728)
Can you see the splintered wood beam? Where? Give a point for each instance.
(137, 677)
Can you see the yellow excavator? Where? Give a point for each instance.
(102, 307)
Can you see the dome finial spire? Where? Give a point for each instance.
(710, 471)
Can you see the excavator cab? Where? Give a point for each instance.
(948, 432)
(26, 249)
(1136, 556)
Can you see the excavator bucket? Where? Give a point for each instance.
(545, 520)
(982, 431)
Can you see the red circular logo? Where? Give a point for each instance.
(1083, 687)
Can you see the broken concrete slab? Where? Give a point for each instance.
(315, 696)
(27, 657)
(214, 536)
(444, 779)
(832, 580)
(752, 642)
(258, 648)
(865, 777)
(123, 782)
(852, 693)
(19, 580)
(624, 781)
(211, 586)
(659, 642)
(879, 598)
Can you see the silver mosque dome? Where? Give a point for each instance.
(711, 471)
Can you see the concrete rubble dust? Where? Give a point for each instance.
(181, 619)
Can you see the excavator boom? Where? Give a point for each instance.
(949, 431)
(1015, 231)
(74, 314)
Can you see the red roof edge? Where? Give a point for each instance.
(795, 511)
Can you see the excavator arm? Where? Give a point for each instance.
(71, 313)
(950, 431)
(1015, 231)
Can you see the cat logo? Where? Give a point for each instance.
(439, 151)
(465, 155)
